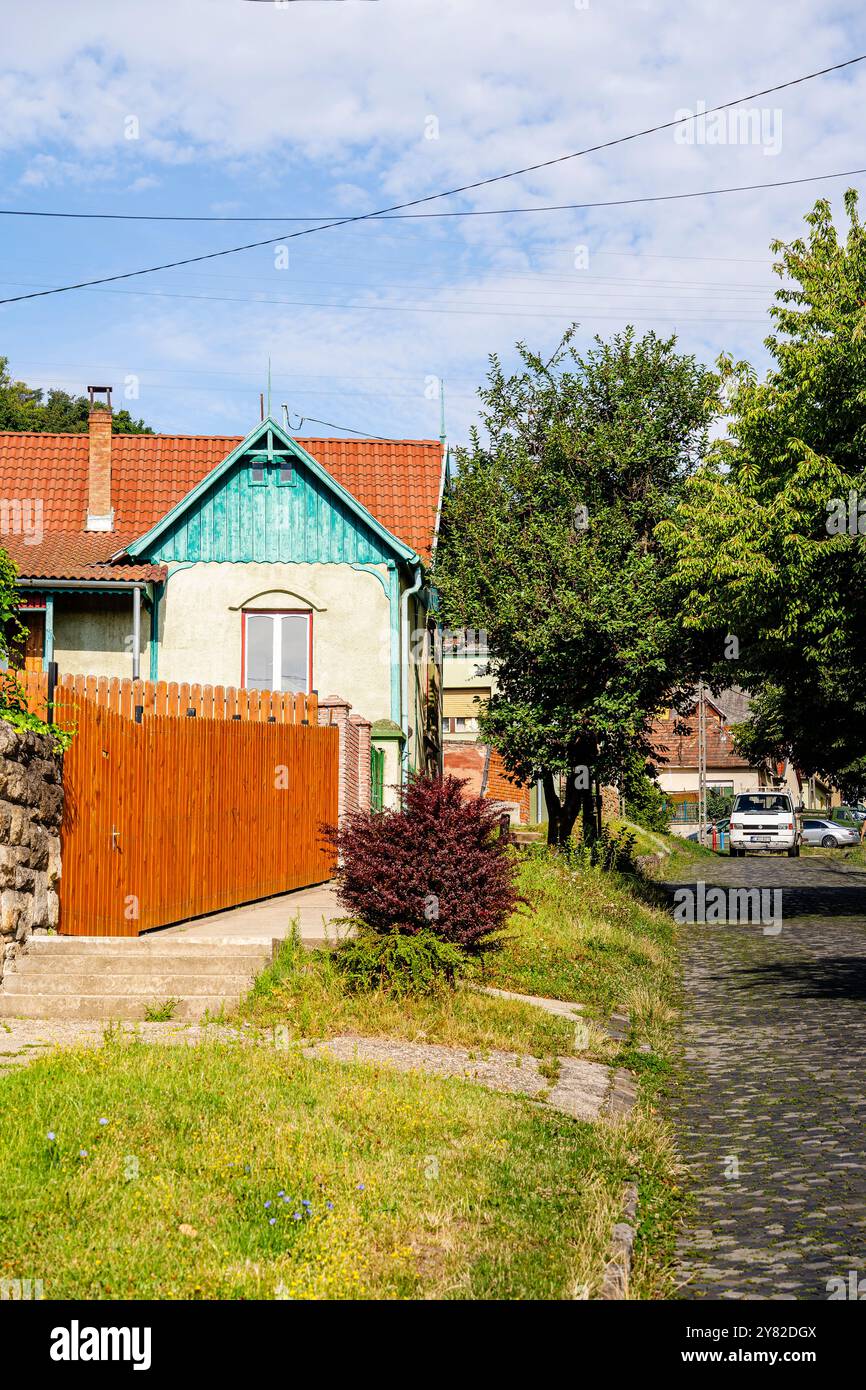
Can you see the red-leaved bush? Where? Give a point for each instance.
(439, 863)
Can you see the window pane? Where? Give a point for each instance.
(294, 658)
(260, 651)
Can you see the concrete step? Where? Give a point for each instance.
(108, 1007)
(140, 946)
(118, 977)
(153, 986)
(44, 963)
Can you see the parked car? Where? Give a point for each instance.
(763, 821)
(721, 827)
(832, 834)
(848, 815)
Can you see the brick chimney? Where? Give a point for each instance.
(100, 514)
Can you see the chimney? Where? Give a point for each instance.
(100, 514)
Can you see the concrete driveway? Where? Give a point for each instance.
(315, 909)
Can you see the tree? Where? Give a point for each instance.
(24, 407)
(548, 545)
(766, 552)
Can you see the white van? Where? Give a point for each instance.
(764, 821)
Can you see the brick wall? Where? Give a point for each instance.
(354, 777)
(481, 767)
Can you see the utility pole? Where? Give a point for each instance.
(702, 764)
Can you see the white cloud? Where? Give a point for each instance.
(329, 104)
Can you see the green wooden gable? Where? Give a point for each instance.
(269, 500)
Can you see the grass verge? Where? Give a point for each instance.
(583, 935)
(228, 1172)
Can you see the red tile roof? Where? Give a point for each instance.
(675, 742)
(398, 481)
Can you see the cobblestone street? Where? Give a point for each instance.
(770, 1115)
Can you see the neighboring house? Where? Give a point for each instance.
(675, 743)
(465, 684)
(267, 562)
(466, 688)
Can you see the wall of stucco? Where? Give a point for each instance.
(200, 625)
(93, 634)
(673, 780)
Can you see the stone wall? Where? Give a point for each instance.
(31, 807)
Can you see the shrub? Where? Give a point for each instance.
(607, 852)
(398, 962)
(645, 802)
(438, 863)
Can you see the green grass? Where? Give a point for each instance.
(438, 1188)
(304, 993)
(589, 936)
(161, 1012)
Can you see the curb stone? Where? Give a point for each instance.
(618, 1268)
(619, 1024)
(623, 1094)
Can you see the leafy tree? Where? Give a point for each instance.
(718, 803)
(761, 553)
(24, 407)
(548, 545)
(645, 802)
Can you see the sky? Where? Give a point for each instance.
(329, 108)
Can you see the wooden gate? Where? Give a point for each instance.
(168, 816)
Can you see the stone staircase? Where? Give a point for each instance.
(121, 977)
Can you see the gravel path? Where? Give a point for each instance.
(772, 1109)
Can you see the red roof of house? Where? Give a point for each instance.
(397, 480)
(675, 741)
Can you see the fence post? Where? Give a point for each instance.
(363, 728)
(335, 710)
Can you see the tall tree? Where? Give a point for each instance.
(766, 551)
(24, 407)
(548, 545)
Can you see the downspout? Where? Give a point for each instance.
(404, 703)
(48, 641)
(153, 644)
(136, 632)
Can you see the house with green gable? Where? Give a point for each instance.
(268, 562)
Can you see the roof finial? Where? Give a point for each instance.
(442, 412)
(269, 386)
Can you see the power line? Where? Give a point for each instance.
(410, 216)
(347, 429)
(448, 193)
(502, 310)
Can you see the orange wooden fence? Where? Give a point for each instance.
(173, 698)
(169, 817)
